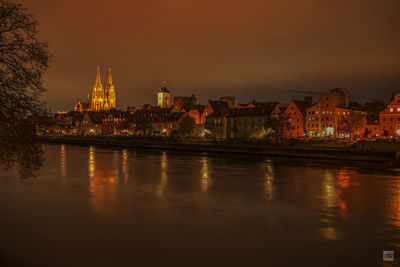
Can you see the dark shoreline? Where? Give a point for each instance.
(237, 147)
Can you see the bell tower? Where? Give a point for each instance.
(164, 97)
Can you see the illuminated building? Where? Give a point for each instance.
(183, 103)
(97, 94)
(110, 101)
(296, 113)
(198, 114)
(278, 110)
(82, 106)
(389, 119)
(115, 122)
(155, 121)
(101, 99)
(243, 123)
(323, 118)
(164, 97)
(91, 123)
(214, 106)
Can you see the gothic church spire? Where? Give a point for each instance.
(98, 80)
(109, 77)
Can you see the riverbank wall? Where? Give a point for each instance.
(353, 153)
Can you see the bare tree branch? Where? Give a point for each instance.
(23, 61)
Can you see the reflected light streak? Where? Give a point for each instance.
(329, 189)
(269, 180)
(334, 204)
(343, 178)
(164, 178)
(330, 233)
(125, 164)
(63, 161)
(394, 205)
(205, 175)
(91, 162)
(103, 186)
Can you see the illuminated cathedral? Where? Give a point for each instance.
(102, 99)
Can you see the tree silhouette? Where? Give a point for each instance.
(367, 132)
(187, 127)
(351, 123)
(23, 61)
(385, 133)
(277, 128)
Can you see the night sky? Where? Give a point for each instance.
(247, 48)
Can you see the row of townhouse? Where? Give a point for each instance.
(223, 119)
(148, 121)
(243, 121)
(324, 119)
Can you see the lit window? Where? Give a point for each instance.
(391, 109)
(398, 109)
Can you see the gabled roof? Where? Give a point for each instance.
(281, 107)
(199, 108)
(118, 113)
(242, 112)
(218, 105)
(302, 105)
(266, 107)
(175, 116)
(150, 115)
(96, 117)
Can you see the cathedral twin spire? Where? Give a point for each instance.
(103, 99)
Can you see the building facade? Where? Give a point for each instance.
(296, 115)
(389, 119)
(102, 99)
(324, 118)
(164, 97)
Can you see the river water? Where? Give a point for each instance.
(93, 206)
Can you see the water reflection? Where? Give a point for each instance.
(91, 162)
(326, 208)
(269, 180)
(392, 203)
(330, 233)
(328, 190)
(205, 174)
(125, 164)
(103, 183)
(164, 178)
(63, 161)
(334, 186)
